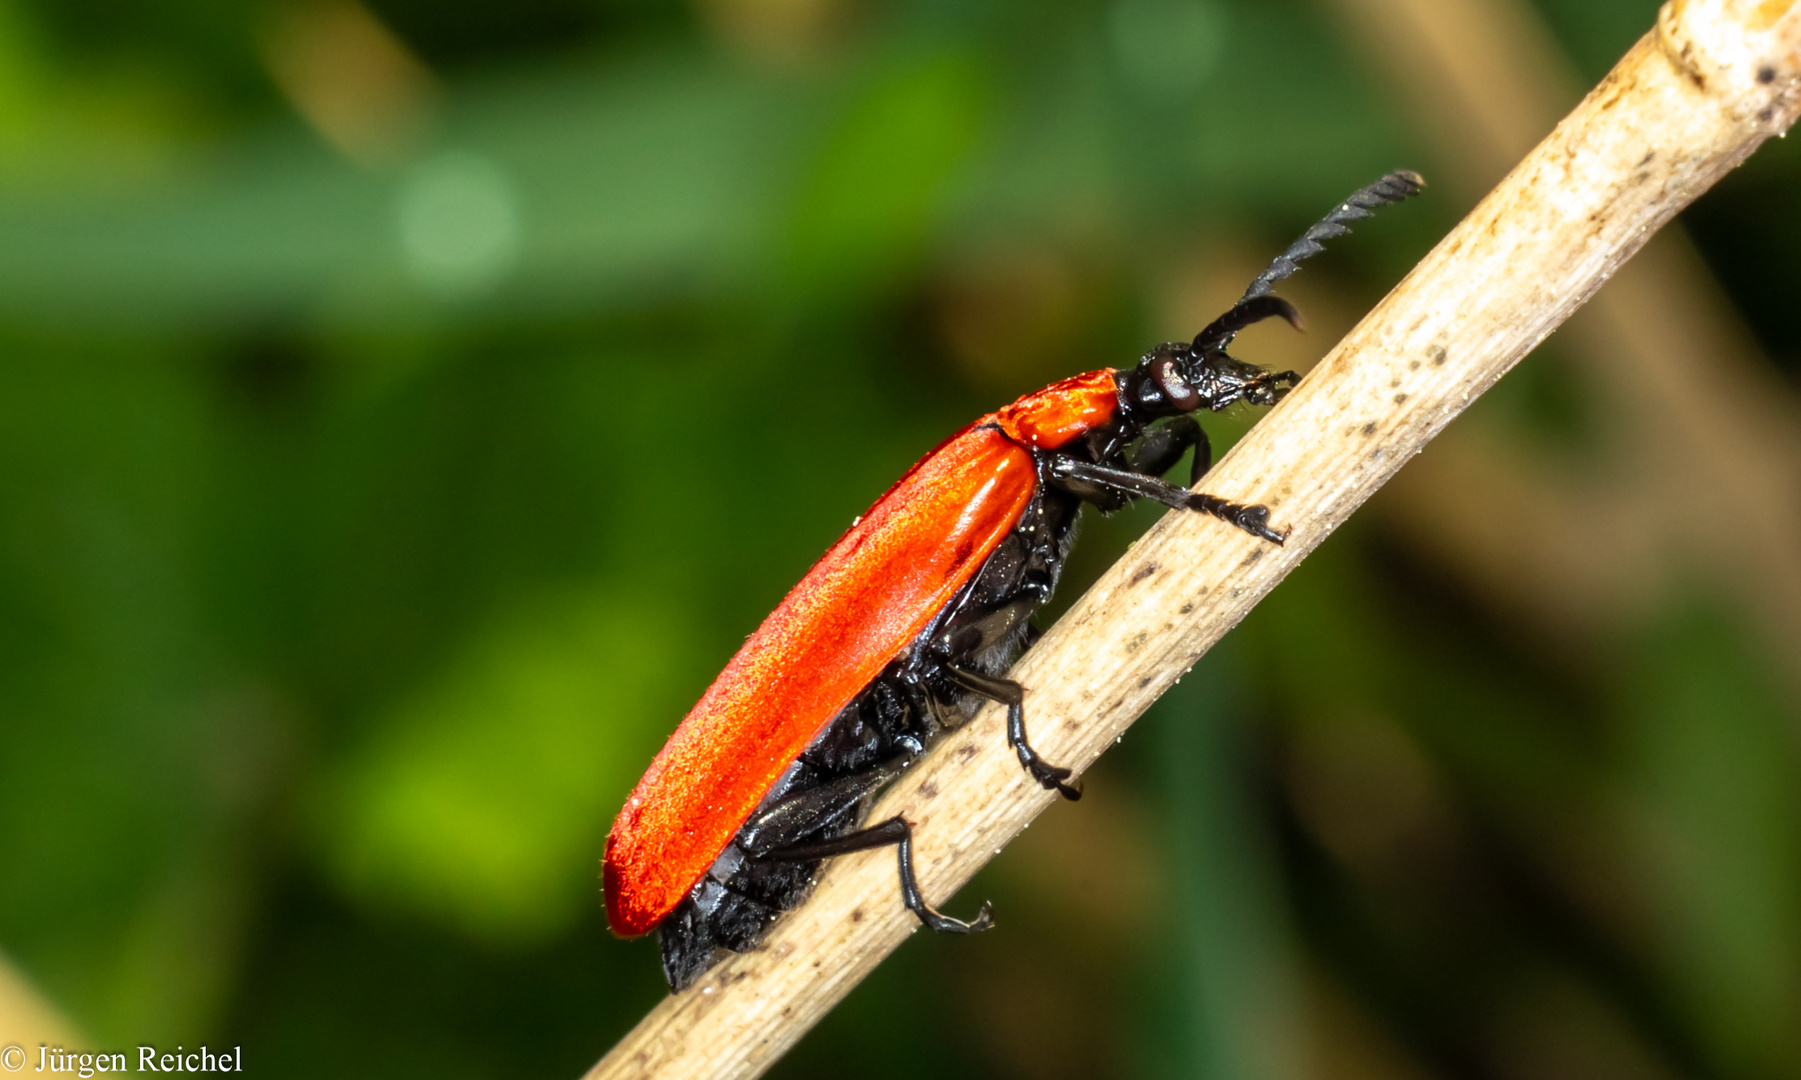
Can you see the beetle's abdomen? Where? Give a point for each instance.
(1061, 412)
(860, 605)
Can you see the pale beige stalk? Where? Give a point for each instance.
(1681, 399)
(1691, 100)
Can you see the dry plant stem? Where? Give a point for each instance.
(1685, 400)
(1689, 102)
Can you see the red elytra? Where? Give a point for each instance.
(860, 604)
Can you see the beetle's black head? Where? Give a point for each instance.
(1186, 377)
(1224, 380)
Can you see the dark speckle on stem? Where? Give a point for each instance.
(1369, 429)
(1766, 74)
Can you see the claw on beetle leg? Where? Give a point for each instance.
(915, 900)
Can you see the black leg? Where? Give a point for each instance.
(893, 831)
(1163, 446)
(1012, 695)
(1252, 519)
(1203, 456)
(812, 811)
(992, 626)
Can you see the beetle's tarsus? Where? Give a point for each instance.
(1251, 517)
(1012, 695)
(941, 923)
(1050, 777)
(915, 900)
(1255, 520)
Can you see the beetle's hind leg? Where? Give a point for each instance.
(1012, 695)
(894, 831)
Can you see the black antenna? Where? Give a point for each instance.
(1257, 305)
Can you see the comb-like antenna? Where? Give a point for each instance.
(1251, 307)
(1390, 189)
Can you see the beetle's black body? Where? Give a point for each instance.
(957, 662)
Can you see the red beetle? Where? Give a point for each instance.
(906, 625)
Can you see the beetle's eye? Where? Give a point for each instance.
(1168, 376)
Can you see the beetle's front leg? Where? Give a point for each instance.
(1252, 518)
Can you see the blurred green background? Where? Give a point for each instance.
(405, 409)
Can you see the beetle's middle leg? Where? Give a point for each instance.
(1163, 446)
(1012, 695)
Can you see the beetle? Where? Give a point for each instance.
(907, 624)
